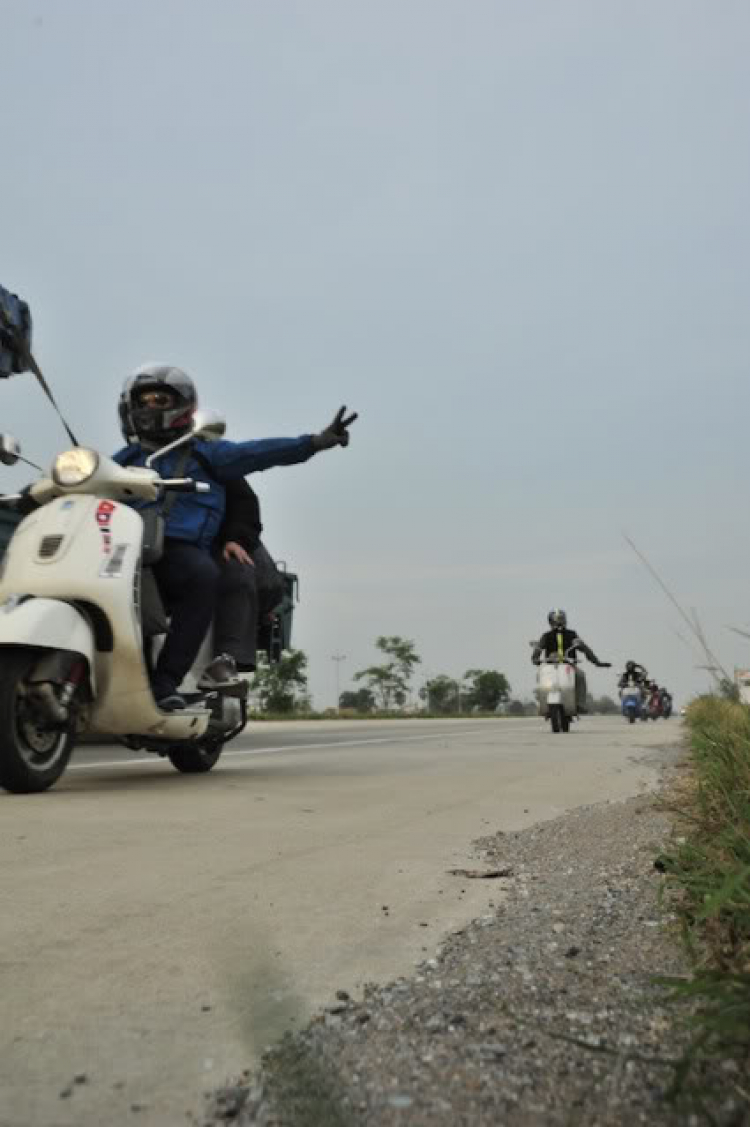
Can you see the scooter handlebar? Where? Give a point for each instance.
(184, 485)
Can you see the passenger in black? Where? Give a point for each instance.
(559, 643)
(249, 588)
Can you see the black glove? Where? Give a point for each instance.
(336, 433)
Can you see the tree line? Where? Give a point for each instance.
(388, 686)
(385, 686)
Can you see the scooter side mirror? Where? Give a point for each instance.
(10, 449)
(208, 425)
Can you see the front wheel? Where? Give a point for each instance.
(33, 753)
(195, 758)
(557, 717)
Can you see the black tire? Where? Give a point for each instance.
(564, 723)
(556, 717)
(631, 718)
(195, 758)
(32, 755)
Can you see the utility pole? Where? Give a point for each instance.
(338, 658)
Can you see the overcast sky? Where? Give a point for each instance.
(512, 234)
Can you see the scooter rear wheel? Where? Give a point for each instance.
(33, 755)
(195, 758)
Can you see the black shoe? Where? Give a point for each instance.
(221, 673)
(172, 702)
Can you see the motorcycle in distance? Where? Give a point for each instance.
(665, 698)
(79, 612)
(652, 707)
(556, 690)
(631, 698)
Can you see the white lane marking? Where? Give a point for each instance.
(154, 760)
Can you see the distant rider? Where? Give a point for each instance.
(560, 642)
(634, 674)
(665, 699)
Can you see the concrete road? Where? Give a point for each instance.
(158, 930)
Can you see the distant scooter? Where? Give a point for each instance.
(666, 703)
(652, 708)
(631, 699)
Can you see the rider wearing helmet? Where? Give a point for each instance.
(249, 582)
(561, 642)
(633, 673)
(155, 408)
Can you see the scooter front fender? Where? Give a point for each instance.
(554, 697)
(47, 624)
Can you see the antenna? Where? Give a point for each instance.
(712, 663)
(736, 630)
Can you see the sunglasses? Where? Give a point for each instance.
(160, 400)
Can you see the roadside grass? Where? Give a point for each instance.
(709, 867)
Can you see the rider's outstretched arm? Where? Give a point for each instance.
(236, 459)
(589, 653)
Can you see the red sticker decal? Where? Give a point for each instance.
(104, 512)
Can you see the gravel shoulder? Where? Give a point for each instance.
(545, 1011)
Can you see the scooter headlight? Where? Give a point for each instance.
(74, 466)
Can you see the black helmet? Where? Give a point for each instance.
(630, 666)
(557, 619)
(157, 404)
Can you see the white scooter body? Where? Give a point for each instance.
(71, 581)
(556, 686)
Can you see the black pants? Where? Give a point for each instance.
(236, 615)
(188, 581)
(246, 594)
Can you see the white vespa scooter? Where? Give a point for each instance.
(76, 597)
(556, 690)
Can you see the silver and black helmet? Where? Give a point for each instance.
(157, 404)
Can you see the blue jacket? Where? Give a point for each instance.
(195, 517)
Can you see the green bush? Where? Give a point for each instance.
(710, 867)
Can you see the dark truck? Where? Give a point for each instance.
(274, 635)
